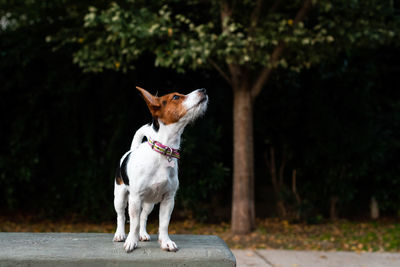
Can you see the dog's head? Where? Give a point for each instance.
(176, 107)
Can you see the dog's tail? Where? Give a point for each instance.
(138, 137)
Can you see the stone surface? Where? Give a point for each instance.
(72, 249)
(248, 258)
(291, 258)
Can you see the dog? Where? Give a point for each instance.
(148, 172)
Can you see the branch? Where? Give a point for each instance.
(265, 73)
(276, 54)
(255, 15)
(234, 70)
(223, 74)
(225, 12)
(282, 168)
(296, 194)
(302, 12)
(294, 187)
(273, 170)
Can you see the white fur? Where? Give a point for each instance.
(152, 179)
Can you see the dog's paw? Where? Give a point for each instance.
(119, 237)
(144, 236)
(130, 244)
(168, 245)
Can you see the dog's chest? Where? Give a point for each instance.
(164, 182)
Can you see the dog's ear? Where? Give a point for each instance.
(152, 102)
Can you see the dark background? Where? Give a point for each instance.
(63, 131)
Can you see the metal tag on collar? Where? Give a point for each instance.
(169, 157)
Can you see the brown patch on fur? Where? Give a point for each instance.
(168, 108)
(118, 180)
(173, 110)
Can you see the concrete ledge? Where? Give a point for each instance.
(73, 249)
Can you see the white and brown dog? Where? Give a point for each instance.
(148, 172)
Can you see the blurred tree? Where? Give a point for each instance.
(243, 40)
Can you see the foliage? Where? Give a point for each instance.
(191, 34)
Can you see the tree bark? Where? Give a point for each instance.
(333, 208)
(243, 214)
(374, 209)
(296, 194)
(277, 184)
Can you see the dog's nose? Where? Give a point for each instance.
(203, 90)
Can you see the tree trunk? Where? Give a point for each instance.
(374, 209)
(276, 185)
(243, 214)
(296, 194)
(333, 208)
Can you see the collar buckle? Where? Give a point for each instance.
(167, 151)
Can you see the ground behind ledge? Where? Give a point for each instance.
(381, 236)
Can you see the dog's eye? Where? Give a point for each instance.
(176, 97)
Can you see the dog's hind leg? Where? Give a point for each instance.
(120, 202)
(146, 209)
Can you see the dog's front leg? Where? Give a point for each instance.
(166, 207)
(134, 215)
(147, 208)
